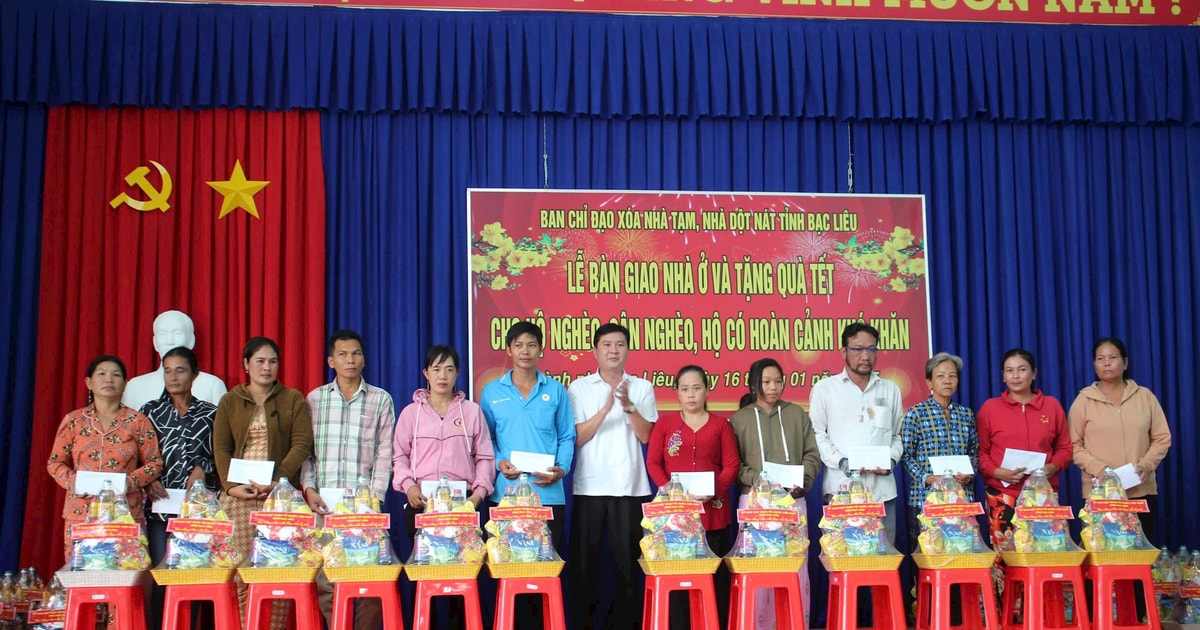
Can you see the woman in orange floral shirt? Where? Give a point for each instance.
(104, 436)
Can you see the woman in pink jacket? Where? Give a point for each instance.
(1115, 422)
(441, 433)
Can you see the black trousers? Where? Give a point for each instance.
(605, 531)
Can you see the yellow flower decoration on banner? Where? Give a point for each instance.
(497, 258)
(896, 260)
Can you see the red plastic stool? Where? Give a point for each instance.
(1042, 590)
(789, 611)
(304, 594)
(344, 594)
(933, 599)
(550, 588)
(657, 602)
(888, 605)
(428, 589)
(125, 602)
(1121, 580)
(177, 613)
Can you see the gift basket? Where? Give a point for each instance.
(949, 537)
(285, 547)
(674, 539)
(357, 547)
(1188, 607)
(448, 543)
(1040, 536)
(519, 542)
(200, 548)
(109, 548)
(772, 533)
(1112, 531)
(1166, 575)
(50, 613)
(852, 534)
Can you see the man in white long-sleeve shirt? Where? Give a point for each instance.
(858, 408)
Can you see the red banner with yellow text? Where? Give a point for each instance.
(714, 279)
(1110, 12)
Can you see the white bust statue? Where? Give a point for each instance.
(171, 330)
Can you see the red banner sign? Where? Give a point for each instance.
(1096, 506)
(448, 519)
(522, 513)
(667, 508)
(358, 521)
(719, 280)
(1189, 591)
(1045, 513)
(855, 510)
(1166, 588)
(8, 613)
(57, 615)
(104, 530)
(283, 519)
(215, 527)
(757, 515)
(950, 510)
(1113, 12)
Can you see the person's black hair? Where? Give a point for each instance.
(754, 381)
(1028, 357)
(1120, 346)
(853, 329)
(523, 328)
(440, 353)
(345, 335)
(91, 369)
(691, 368)
(257, 343)
(607, 329)
(185, 353)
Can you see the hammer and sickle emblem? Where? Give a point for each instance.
(157, 199)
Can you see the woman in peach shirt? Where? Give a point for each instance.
(1115, 422)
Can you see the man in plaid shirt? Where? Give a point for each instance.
(352, 438)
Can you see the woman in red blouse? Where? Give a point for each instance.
(104, 436)
(693, 440)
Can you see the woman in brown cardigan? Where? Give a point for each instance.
(262, 420)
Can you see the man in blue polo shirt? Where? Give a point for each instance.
(529, 411)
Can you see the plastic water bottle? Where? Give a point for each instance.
(1112, 485)
(675, 490)
(746, 545)
(347, 500)
(172, 554)
(762, 490)
(421, 555)
(524, 493)
(363, 502)
(857, 488)
(442, 496)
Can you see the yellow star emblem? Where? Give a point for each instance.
(239, 192)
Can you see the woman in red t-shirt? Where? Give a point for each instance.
(693, 440)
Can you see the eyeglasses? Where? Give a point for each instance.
(867, 350)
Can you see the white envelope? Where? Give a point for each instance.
(430, 485)
(870, 457)
(957, 464)
(700, 484)
(787, 476)
(173, 504)
(88, 482)
(1015, 458)
(331, 496)
(248, 470)
(525, 461)
(1128, 476)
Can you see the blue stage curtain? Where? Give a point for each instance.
(171, 55)
(1042, 236)
(23, 136)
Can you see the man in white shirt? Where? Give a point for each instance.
(614, 413)
(857, 408)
